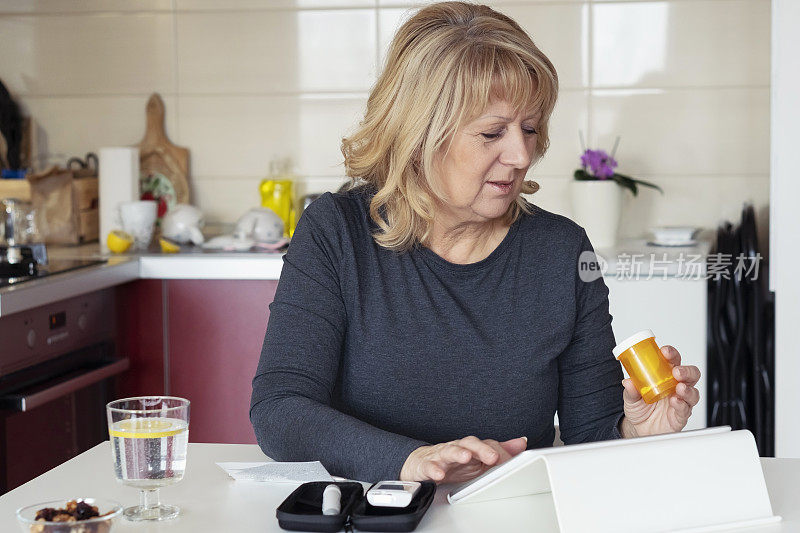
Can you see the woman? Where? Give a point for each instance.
(429, 322)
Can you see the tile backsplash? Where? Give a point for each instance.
(684, 83)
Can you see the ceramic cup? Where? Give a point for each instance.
(138, 219)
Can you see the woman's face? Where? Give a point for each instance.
(488, 159)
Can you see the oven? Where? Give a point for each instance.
(58, 365)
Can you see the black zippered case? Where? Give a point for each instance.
(302, 509)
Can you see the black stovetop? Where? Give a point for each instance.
(54, 266)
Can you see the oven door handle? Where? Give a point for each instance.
(33, 397)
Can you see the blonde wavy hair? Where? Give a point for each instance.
(444, 66)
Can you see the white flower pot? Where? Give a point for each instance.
(597, 206)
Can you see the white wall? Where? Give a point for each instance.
(684, 83)
(785, 222)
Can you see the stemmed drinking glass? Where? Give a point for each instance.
(149, 436)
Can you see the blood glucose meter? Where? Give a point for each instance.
(392, 493)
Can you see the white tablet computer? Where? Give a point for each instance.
(523, 474)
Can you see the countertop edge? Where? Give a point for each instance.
(222, 267)
(44, 291)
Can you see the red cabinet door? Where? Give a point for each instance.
(140, 337)
(216, 330)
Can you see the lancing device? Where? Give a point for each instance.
(331, 500)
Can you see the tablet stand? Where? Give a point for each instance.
(701, 480)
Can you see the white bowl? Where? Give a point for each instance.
(674, 234)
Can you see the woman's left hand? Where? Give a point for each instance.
(667, 415)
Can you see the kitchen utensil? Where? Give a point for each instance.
(138, 218)
(8, 220)
(28, 227)
(18, 222)
(157, 155)
(182, 224)
(149, 438)
(260, 224)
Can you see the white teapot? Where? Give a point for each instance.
(259, 224)
(182, 224)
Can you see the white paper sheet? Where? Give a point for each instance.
(277, 472)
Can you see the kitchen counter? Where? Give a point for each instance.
(211, 501)
(630, 259)
(124, 268)
(187, 264)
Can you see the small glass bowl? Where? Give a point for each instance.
(99, 524)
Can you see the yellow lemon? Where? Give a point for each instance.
(147, 428)
(118, 241)
(168, 247)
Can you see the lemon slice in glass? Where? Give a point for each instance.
(147, 428)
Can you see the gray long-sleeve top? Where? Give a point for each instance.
(371, 353)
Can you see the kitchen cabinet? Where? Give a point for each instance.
(140, 337)
(216, 329)
(200, 340)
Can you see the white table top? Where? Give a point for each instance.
(211, 501)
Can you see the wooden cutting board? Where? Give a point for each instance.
(158, 154)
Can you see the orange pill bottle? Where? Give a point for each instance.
(647, 367)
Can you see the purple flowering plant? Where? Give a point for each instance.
(598, 165)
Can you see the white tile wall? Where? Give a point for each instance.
(684, 131)
(237, 136)
(257, 5)
(563, 43)
(83, 54)
(283, 51)
(685, 83)
(680, 44)
(85, 6)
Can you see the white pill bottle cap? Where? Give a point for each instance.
(630, 341)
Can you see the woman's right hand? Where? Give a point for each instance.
(459, 460)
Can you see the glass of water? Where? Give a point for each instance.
(149, 436)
